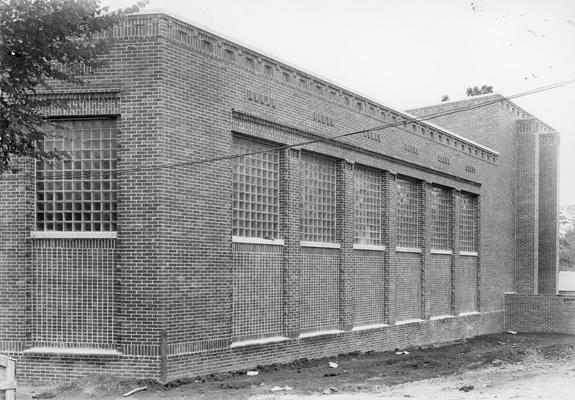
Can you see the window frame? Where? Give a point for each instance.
(91, 191)
(441, 231)
(411, 240)
(312, 232)
(237, 236)
(362, 214)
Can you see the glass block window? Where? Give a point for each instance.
(368, 206)
(407, 213)
(319, 198)
(468, 223)
(255, 190)
(441, 211)
(79, 195)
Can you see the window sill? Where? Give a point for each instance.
(407, 250)
(73, 235)
(438, 317)
(324, 245)
(409, 321)
(249, 240)
(469, 253)
(320, 333)
(466, 313)
(368, 327)
(373, 247)
(439, 251)
(255, 342)
(79, 351)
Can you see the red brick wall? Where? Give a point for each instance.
(439, 282)
(175, 268)
(540, 313)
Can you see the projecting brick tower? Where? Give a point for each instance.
(536, 221)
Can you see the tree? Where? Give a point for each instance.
(567, 238)
(42, 43)
(475, 91)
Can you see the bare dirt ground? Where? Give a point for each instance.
(501, 366)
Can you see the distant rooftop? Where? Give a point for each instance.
(495, 96)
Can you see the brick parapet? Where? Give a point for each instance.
(185, 36)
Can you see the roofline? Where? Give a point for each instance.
(315, 76)
(484, 96)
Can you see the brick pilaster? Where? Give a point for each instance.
(17, 210)
(390, 237)
(548, 213)
(425, 244)
(478, 241)
(346, 234)
(455, 246)
(527, 212)
(290, 220)
(29, 169)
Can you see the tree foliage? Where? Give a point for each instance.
(475, 91)
(42, 43)
(567, 238)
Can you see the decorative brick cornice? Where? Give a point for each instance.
(185, 34)
(81, 103)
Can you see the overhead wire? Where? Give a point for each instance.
(405, 120)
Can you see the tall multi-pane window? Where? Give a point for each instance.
(368, 206)
(407, 213)
(80, 194)
(319, 198)
(255, 190)
(440, 218)
(468, 223)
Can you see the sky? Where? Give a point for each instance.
(409, 53)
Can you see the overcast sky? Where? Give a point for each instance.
(408, 53)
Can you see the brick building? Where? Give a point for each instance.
(154, 254)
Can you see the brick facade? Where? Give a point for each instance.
(540, 313)
(189, 295)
